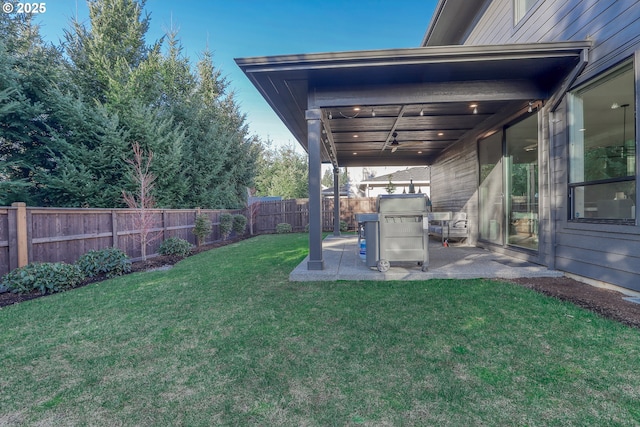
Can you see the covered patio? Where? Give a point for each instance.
(403, 107)
(342, 262)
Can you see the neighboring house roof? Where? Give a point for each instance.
(258, 199)
(419, 175)
(328, 191)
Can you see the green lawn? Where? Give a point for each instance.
(224, 339)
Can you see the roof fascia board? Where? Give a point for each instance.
(408, 56)
(428, 93)
(564, 87)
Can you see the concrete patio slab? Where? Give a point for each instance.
(342, 262)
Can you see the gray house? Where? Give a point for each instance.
(524, 109)
(402, 181)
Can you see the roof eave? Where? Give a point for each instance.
(452, 21)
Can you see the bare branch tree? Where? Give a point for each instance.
(142, 200)
(252, 209)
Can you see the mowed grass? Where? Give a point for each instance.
(224, 339)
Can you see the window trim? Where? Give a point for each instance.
(517, 23)
(632, 62)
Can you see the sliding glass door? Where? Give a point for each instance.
(522, 183)
(508, 189)
(491, 204)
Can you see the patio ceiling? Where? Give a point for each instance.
(427, 97)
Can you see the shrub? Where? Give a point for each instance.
(175, 246)
(239, 223)
(202, 228)
(344, 226)
(226, 225)
(47, 277)
(110, 261)
(283, 227)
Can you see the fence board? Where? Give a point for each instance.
(4, 241)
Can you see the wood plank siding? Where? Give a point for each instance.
(605, 252)
(611, 25)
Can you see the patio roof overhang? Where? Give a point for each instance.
(424, 95)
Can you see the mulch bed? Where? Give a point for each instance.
(160, 261)
(605, 302)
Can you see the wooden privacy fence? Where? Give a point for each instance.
(64, 234)
(296, 213)
(31, 234)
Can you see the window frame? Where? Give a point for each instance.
(633, 63)
(517, 22)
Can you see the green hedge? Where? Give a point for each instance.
(46, 277)
(283, 227)
(110, 262)
(175, 246)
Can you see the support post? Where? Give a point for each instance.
(314, 132)
(21, 233)
(336, 201)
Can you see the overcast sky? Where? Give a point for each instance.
(245, 28)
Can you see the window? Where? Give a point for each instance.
(602, 149)
(520, 9)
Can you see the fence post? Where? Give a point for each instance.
(21, 233)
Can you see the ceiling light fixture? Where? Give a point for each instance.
(530, 109)
(475, 108)
(356, 109)
(440, 133)
(373, 112)
(394, 144)
(422, 112)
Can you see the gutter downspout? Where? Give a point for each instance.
(554, 102)
(551, 170)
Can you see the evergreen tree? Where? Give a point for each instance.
(157, 133)
(67, 125)
(105, 54)
(283, 172)
(90, 169)
(28, 71)
(343, 178)
(220, 154)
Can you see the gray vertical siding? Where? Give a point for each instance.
(454, 182)
(610, 253)
(613, 26)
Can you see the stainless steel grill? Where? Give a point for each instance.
(399, 233)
